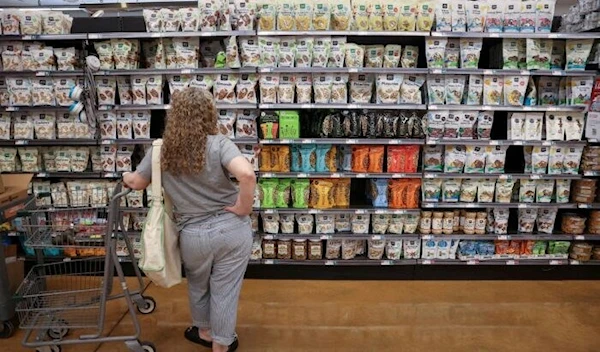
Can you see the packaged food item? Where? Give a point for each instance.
(468, 190)
(432, 190)
(108, 125)
(305, 223)
(527, 22)
(337, 53)
(391, 13)
(578, 52)
(548, 90)
(339, 89)
(436, 89)
(470, 49)
(374, 56)
(475, 161)
(574, 123)
(544, 191)
(539, 159)
(510, 53)
(527, 191)
(539, 54)
(123, 161)
(514, 90)
(269, 51)
(42, 92)
(485, 120)
(246, 88)
(425, 15)
(512, 16)
(452, 124)
(495, 159)
(355, 55)
(533, 126)
(287, 52)
(408, 16)
(504, 191)
(485, 191)
(476, 15)
(455, 85)
(557, 57)
(579, 90)
(410, 90)
(572, 160)
(361, 88)
(435, 52)
(321, 15)
(459, 16)
(555, 160)
(443, 16)
(106, 88)
(433, 157)
(19, 91)
(322, 88)
(250, 52)
(141, 124)
(545, 220)
(410, 57)
(492, 90)
(452, 54)
(388, 88)
(45, 125)
(326, 158)
(454, 159)
(451, 190)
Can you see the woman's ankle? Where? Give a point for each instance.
(205, 334)
(219, 348)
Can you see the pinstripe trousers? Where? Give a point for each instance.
(215, 255)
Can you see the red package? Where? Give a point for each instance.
(403, 159)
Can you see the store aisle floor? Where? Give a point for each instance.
(387, 316)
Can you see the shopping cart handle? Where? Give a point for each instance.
(120, 190)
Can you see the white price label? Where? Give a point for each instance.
(430, 175)
(361, 175)
(12, 108)
(376, 237)
(308, 141)
(351, 141)
(269, 261)
(305, 106)
(524, 73)
(393, 141)
(555, 262)
(379, 211)
(472, 262)
(155, 35)
(471, 205)
(268, 237)
(584, 206)
(553, 35)
(546, 143)
(268, 175)
(575, 262)
(186, 71)
(353, 70)
(398, 175)
(21, 142)
(579, 237)
(428, 205)
(488, 72)
(434, 107)
(314, 211)
(325, 237)
(269, 211)
(427, 237)
(67, 259)
(437, 71)
(527, 108)
(523, 206)
(41, 73)
(535, 177)
(503, 238)
(360, 211)
(558, 73)
(427, 262)
(336, 175)
(494, 35)
(353, 106)
(94, 36)
(286, 141)
(494, 143)
(486, 108)
(511, 262)
(386, 262)
(42, 175)
(330, 262)
(301, 175)
(518, 143)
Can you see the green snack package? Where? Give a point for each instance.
(282, 198)
(300, 193)
(289, 124)
(220, 60)
(559, 247)
(268, 190)
(539, 248)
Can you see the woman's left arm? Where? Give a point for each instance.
(135, 180)
(142, 176)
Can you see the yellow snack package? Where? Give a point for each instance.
(425, 15)
(303, 15)
(321, 15)
(375, 15)
(360, 9)
(408, 16)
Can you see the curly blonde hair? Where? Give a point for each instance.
(192, 118)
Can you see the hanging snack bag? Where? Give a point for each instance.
(425, 15)
(454, 159)
(475, 90)
(106, 88)
(492, 90)
(476, 15)
(495, 159)
(443, 16)
(539, 159)
(485, 120)
(512, 16)
(459, 16)
(574, 123)
(452, 53)
(355, 55)
(285, 16)
(287, 52)
(470, 50)
(455, 86)
(544, 191)
(578, 52)
(514, 90)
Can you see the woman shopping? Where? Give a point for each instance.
(211, 213)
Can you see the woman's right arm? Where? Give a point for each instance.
(243, 171)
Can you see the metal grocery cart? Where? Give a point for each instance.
(58, 297)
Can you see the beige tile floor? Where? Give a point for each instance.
(385, 316)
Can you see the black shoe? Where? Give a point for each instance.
(234, 345)
(193, 334)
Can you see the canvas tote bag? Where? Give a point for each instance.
(161, 260)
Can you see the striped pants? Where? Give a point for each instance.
(215, 255)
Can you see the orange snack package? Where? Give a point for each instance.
(360, 158)
(265, 159)
(403, 158)
(283, 159)
(376, 154)
(501, 247)
(527, 247)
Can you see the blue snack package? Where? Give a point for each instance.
(379, 191)
(326, 158)
(295, 166)
(467, 248)
(344, 158)
(308, 158)
(486, 248)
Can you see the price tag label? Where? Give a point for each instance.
(379, 211)
(305, 106)
(555, 262)
(302, 175)
(486, 108)
(314, 211)
(535, 177)
(527, 108)
(308, 141)
(428, 205)
(494, 35)
(325, 237)
(269, 211)
(286, 141)
(93, 36)
(353, 106)
(376, 237)
(42, 175)
(427, 237)
(336, 175)
(353, 70)
(431, 142)
(186, 71)
(511, 262)
(494, 143)
(430, 175)
(360, 211)
(579, 237)
(583, 206)
(155, 35)
(503, 237)
(329, 262)
(386, 262)
(361, 175)
(488, 72)
(547, 143)
(269, 261)
(518, 142)
(21, 142)
(552, 35)
(268, 175)
(434, 107)
(472, 262)
(471, 205)
(525, 73)
(575, 262)
(427, 262)
(268, 237)
(67, 259)
(558, 73)
(398, 175)
(436, 71)
(393, 141)
(351, 141)
(12, 108)
(523, 206)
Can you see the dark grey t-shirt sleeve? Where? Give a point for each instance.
(228, 151)
(145, 166)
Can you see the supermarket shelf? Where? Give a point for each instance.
(72, 36)
(336, 175)
(515, 35)
(541, 108)
(502, 142)
(144, 141)
(507, 237)
(349, 236)
(182, 71)
(589, 262)
(48, 142)
(345, 33)
(351, 262)
(345, 106)
(36, 108)
(588, 237)
(502, 72)
(363, 210)
(502, 176)
(365, 70)
(493, 262)
(498, 205)
(43, 73)
(168, 107)
(378, 141)
(142, 35)
(75, 175)
(589, 206)
(591, 173)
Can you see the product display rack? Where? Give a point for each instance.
(382, 36)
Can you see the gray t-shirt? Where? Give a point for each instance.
(197, 197)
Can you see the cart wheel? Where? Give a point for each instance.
(148, 347)
(8, 329)
(58, 333)
(150, 306)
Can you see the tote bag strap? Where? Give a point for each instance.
(157, 192)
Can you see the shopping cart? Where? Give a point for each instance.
(56, 298)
